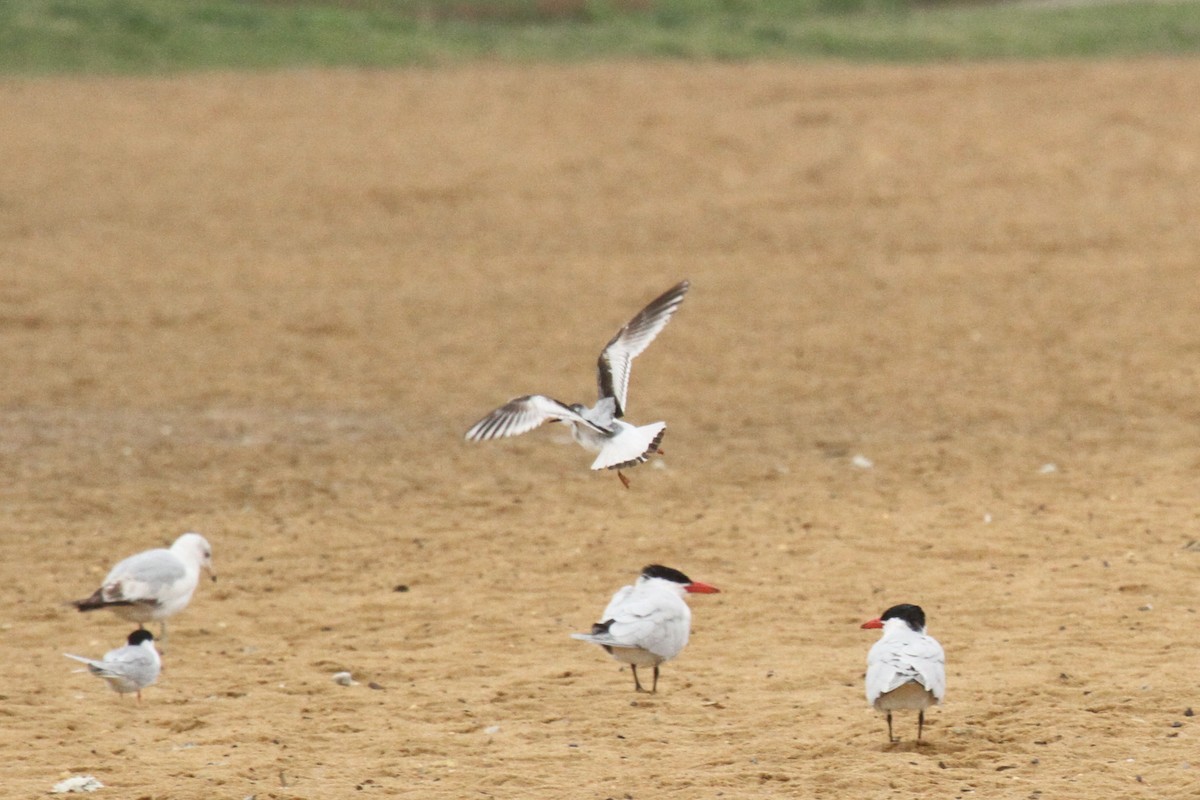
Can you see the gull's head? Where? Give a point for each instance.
(194, 547)
(674, 576)
(900, 617)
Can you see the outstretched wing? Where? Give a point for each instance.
(521, 415)
(631, 340)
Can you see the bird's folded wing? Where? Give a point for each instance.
(929, 660)
(143, 578)
(521, 415)
(643, 622)
(618, 599)
(883, 677)
(617, 356)
(132, 661)
(892, 663)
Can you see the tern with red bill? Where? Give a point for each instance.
(906, 668)
(600, 428)
(648, 622)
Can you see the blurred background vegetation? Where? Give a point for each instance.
(136, 36)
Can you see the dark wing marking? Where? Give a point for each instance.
(521, 415)
(602, 627)
(96, 601)
(631, 340)
(91, 605)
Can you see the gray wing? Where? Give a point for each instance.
(135, 663)
(521, 415)
(127, 664)
(143, 578)
(631, 340)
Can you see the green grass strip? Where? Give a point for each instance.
(145, 36)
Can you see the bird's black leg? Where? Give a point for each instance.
(624, 480)
(920, 724)
(891, 738)
(654, 688)
(637, 685)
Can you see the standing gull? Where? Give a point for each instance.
(906, 668)
(130, 668)
(599, 428)
(154, 584)
(647, 622)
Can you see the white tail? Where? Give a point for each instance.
(629, 445)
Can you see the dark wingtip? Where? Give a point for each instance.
(97, 601)
(88, 603)
(644, 457)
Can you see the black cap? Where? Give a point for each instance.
(666, 573)
(911, 614)
(140, 635)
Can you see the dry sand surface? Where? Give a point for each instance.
(268, 307)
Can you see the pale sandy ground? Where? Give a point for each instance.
(267, 308)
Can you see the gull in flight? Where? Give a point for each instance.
(600, 428)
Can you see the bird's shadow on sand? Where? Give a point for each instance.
(924, 748)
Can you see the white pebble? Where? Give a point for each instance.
(491, 729)
(77, 783)
(862, 462)
(343, 679)
(1046, 469)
